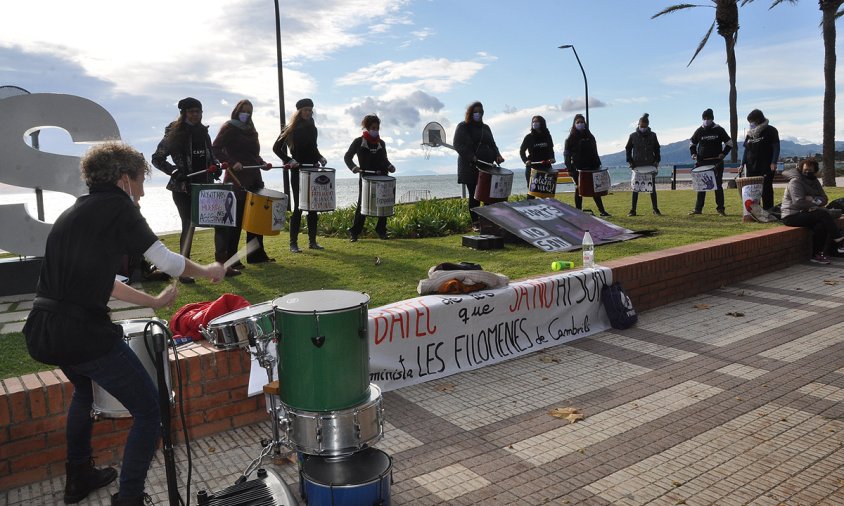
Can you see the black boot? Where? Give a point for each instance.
(82, 479)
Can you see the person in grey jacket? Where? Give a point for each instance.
(802, 206)
(642, 150)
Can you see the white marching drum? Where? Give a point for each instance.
(703, 178)
(108, 406)
(337, 432)
(378, 195)
(643, 179)
(316, 189)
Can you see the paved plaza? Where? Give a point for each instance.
(730, 397)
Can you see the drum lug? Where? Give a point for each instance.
(318, 341)
(206, 333)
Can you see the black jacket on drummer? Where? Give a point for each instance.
(709, 145)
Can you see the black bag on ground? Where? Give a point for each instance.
(619, 307)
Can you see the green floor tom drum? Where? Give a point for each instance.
(323, 349)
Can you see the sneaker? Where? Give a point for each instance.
(186, 280)
(721, 212)
(632, 212)
(657, 212)
(383, 236)
(353, 238)
(314, 245)
(231, 272)
(819, 258)
(294, 248)
(841, 250)
(605, 214)
(839, 240)
(692, 213)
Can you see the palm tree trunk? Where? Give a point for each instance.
(829, 9)
(731, 69)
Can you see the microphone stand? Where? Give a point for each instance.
(159, 347)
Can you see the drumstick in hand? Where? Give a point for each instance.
(245, 250)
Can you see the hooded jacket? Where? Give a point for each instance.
(799, 187)
(195, 138)
(473, 140)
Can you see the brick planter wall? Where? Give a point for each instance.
(33, 407)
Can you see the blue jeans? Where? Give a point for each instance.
(122, 375)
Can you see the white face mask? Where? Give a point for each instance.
(535, 125)
(243, 117)
(580, 126)
(373, 133)
(707, 123)
(476, 116)
(126, 186)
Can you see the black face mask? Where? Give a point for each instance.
(811, 175)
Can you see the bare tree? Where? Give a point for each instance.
(726, 21)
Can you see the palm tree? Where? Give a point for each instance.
(726, 20)
(831, 10)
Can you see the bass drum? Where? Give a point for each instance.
(105, 404)
(593, 183)
(494, 184)
(323, 349)
(316, 189)
(264, 212)
(363, 478)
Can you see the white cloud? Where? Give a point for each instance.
(397, 79)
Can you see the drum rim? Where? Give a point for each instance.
(373, 400)
(378, 177)
(704, 168)
(277, 308)
(375, 451)
(139, 320)
(317, 169)
(496, 170)
(263, 192)
(244, 318)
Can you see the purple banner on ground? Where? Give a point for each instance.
(551, 225)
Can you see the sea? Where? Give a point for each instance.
(158, 208)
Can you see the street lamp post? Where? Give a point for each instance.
(585, 82)
(282, 115)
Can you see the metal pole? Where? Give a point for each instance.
(585, 82)
(282, 114)
(39, 193)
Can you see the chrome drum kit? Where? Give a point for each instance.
(329, 413)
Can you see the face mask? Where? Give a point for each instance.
(810, 175)
(707, 123)
(643, 129)
(374, 133)
(124, 184)
(476, 116)
(580, 126)
(243, 117)
(752, 126)
(535, 126)
(189, 122)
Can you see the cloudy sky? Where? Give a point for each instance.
(415, 61)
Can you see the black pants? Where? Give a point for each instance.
(183, 204)
(821, 224)
(719, 187)
(358, 224)
(227, 239)
(636, 200)
(767, 185)
(473, 203)
(296, 217)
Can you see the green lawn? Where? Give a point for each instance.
(403, 262)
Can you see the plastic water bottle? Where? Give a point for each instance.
(588, 248)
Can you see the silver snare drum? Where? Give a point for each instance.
(236, 328)
(335, 432)
(105, 404)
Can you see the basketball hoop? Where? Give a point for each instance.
(433, 136)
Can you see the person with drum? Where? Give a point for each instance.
(643, 151)
(580, 152)
(537, 149)
(761, 152)
(803, 206)
(300, 138)
(709, 145)
(371, 151)
(69, 324)
(473, 142)
(237, 145)
(187, 143)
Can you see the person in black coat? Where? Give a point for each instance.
(473, 141)
(709, 145)
(300, 137)
(761, 152)
(537, 148)
(581, 153)
(187, 143)
(642, 150)
(372, 159)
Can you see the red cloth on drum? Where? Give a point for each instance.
(188, 319)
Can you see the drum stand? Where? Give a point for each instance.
(268, 362)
